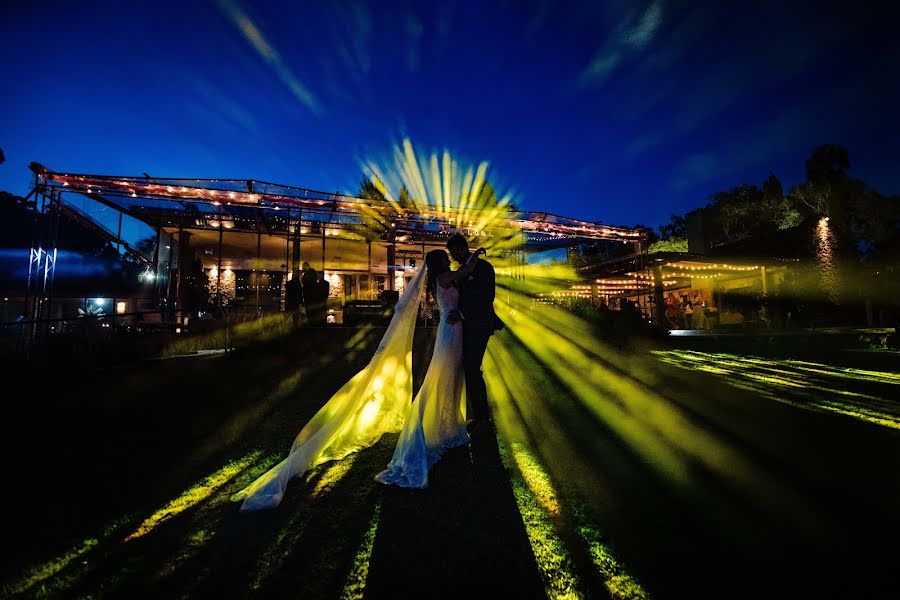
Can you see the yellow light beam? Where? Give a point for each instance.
(622, 397)
(554, 561)
(796, 386)
(44, 571)
(355, 585)
(194, 495)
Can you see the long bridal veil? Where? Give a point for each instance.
(375, 401)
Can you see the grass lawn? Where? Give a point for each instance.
(641, 472)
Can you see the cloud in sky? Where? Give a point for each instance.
(759, 144)
(254, 35)
(642, 34)
(630, 36)
(677, 99)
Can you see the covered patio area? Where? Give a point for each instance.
(238, 242)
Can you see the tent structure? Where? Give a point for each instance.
(214, 228)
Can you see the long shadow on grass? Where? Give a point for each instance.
(307, 545)
(212, 550)
(166, 424)
(463, 535)
(698, 536)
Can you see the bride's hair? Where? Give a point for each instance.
(437, 262)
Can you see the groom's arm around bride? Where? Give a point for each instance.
(476, 307)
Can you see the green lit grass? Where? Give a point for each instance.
(355, 586)
(320, 480)
(267, 328)
(202, 532)
(542, 512)
(193, 495)
(619, 583)
(564, 492)
(804, 384)
(67, 569)
(537, 504)
(60, 572)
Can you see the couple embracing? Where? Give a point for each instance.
(377, 399)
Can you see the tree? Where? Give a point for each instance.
(748, 211)
(777, 211)
(375, 223)
(827, 164)
(405, 201)
(735, 213)
(825, 191)
(807, 200)
(873, 220)
(864, 220)
(772, 189)
(669, 245)
(676, 228)
(369, 191)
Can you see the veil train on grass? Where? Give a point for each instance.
(375, 401)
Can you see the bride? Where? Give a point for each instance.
(437, 418)
(377, 399)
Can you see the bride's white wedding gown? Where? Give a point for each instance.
(437, 420)
(377, 400)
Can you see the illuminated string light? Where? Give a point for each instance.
(693, 276)
(464, 217)
(713, 267)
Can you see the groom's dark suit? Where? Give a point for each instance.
(476, 305)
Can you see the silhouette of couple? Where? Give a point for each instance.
(377, 399)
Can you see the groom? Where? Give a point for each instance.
(476, 310)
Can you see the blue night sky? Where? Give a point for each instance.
(617, 111)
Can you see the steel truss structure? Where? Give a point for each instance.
(241, 205)
(152, 199)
